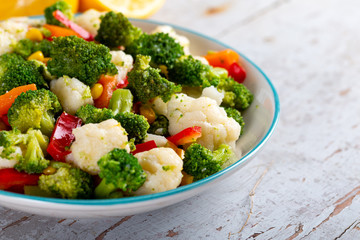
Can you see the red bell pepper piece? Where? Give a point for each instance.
(188, 135)
(142, 147)
(58, 15)
(62, 136)
(237, 72)
(9, 178)
(5, 119)
(123, 83)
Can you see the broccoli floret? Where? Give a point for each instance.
(91, 114)
(44, 46)
(32, 143)
(34, 160)
(160, 126)
(7, 60)
(61, 5)
(120, 172)
(236, 115)
(22, 73)
(24, 47)
(75, 57)
(200, 162)
(191, 72)
(68, 182)
(116, 30)
(35, 109)
(135, 125)
(236, 94)
(162, 48)
(146, 83)
(9, 140)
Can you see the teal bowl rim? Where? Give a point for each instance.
(154, 196)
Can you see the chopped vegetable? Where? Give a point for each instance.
(120, 172)
(57, 31)
(7, 99)
(222, 58)
(58, 15)
(62, 136)
(116, 30)
(188, 135)
(9, 177)
(62, 6)
(75, 57)
(67, 182)
(109, 86)
(146, 82)
(35, 109)
(237, 72)
(121, 101)
(142, 147)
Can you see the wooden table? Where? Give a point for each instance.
(305, 184)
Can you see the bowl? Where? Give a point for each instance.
(261, 119)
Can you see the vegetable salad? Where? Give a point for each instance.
(94, 107)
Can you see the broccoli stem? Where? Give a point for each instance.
(47, 124)
(104, 190)
(121, 101)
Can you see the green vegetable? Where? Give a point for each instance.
(236, 115)
(135, 125)
(9, 59)
(75, 57)
(146, 83)
(61, 5)
(236, 94)
(35, 109)
(44, 46)
(25, 47)
(32, 143)
(15, 72)
(116, 30)
(161, 47)
(68, 182)
(91, 114)
(120, 172)
(191, 72)
(200, 162)
(160, 126)
(34, 160)
(121, 101)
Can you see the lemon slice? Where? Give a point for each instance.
(130, 8)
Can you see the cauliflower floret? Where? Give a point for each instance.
(163, 168)
(11, 31)
(72, 93)
(184, 111)
(90, 20)
(182, 40)
(92, 141)
(213, 93)
(123, 63)
(159, 140)
(9, 163)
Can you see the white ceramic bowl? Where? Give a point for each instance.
(261, 119)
